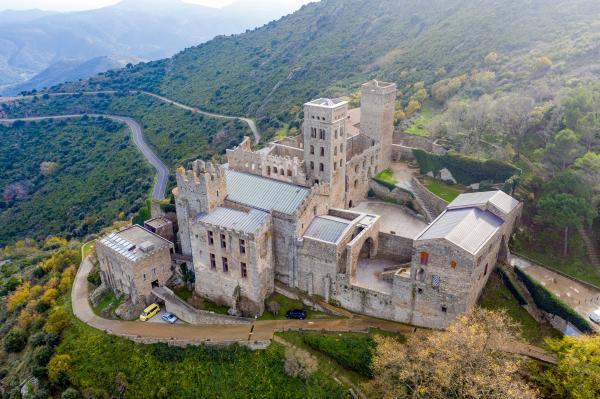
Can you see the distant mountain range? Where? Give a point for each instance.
(39, 48)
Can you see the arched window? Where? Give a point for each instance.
(289, 173)
(335, 151)
(322, 151)
(282, 172)
(312, 165)
(268, 170)
(321, 167)
(312, 149)
(355, 183)
(341, 147)
(424, 258)
(453, 264)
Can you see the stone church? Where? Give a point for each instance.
(289, 213)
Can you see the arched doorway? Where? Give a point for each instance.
(365, 251)
(350, 204)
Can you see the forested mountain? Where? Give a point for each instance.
(331, 46)
(130, 31)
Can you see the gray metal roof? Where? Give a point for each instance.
(246, 222)
(499, 199)
(326, 229)
(468, 228)
(264, 194)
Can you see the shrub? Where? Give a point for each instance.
(299, 363)
(510, 284)
(352, 351)
(15, 340)
(548, 302)
(57, 321)
(70, 393)
(42, 355)
(94, 278)
(58, 369)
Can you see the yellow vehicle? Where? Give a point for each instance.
(149, 312)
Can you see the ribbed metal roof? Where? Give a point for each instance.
(499, 199)
(468, 228)
(326, 229)
(264, 194)
(246, 222)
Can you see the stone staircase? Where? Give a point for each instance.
(590, 246)
(420, 203)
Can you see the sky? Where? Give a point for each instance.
(73, 5)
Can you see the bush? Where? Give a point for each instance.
(58, 369)
(37, 339)
(94, 278)
(42, 355)
(352, 351)
(15, 340)
(548, 302)
(299, 363)
(70, 393)
(465, 170)
(58, 320)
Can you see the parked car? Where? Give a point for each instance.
(169, 318)
(595, 316)
(298, 314)
(149, 312)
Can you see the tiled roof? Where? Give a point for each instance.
(468, 228)
(499, 199)
(246, 222)
(326, 229)
(263, 193)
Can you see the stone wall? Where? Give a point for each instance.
(362, 300)
(223, 287)
(359, 171)
(432, 201)
(191, 315)
(421, 142)
(395, 247)
(396, 195)
(402, 153)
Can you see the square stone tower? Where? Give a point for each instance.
(198, 191)
(377, 108)
(325, 145)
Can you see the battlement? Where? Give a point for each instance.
(378, 87)
(200, 170)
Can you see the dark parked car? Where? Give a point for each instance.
(298, 314)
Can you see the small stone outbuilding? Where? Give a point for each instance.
(133, 261)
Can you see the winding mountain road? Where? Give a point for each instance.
(251, 124)
(162, 172)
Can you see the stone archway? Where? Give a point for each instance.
(367, 249)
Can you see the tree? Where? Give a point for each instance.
(577, 374)
(15, 340)
(588, 130)
(563, 151)
(57, 321)
(462, 362)
(412, 107)
(59, 368)
(561, 210)
(588, 167)
(491, 58)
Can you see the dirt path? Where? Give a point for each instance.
(162, 172)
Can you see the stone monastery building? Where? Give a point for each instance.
(288, 213)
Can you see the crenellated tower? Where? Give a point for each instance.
(325, 145)
(377, 106)
(199, 190)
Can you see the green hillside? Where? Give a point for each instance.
(68, 178)
(330, 47)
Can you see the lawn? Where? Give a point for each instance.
(443, 190)
(386, 177)
(496, 296)
(286, 304)
(161, 371)
(186, 294)
(418, 126)
(87, 248)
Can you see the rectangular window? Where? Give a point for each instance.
(244, 270)
(213, 262)
(424, 258)
(321, 167)
(453, 264)
(242, 246)
(322, 151)
(211, 238)
(223, 241)
(225, 265)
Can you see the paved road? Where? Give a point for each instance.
(248, 121)
(162, 171)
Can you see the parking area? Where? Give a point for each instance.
(158, 317)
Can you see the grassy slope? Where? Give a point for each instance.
(445, 191)
(176, 135)
(496, 296)
(206, 372)
(99, 174)
(330, 47)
